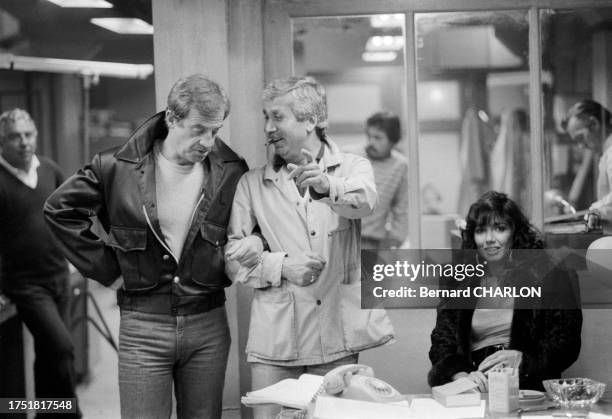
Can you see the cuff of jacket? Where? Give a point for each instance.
(442, 372)
(272, 267)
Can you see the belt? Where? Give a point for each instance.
(170, 304)
(479, 355)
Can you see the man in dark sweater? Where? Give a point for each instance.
(34, 273)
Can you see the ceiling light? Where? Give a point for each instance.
(384, 43)
(95, 4)
(124, 25)
(387, 21)
(85, 68)
(379, 56)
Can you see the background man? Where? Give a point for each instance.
(164, 199)
(590, 124)
(307, 201)
(34, 272)
(391, 176)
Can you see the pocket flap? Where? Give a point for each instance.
(127, 239)
(214, 234)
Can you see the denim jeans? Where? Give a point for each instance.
(44, 309)
(159, 350)
(263, 375)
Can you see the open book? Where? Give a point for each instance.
(289, 392)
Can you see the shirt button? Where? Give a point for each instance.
(166, 257)
(312, 233)
(176, 279)
(318, 302)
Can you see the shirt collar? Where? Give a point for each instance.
(279, 162)
(29, 177)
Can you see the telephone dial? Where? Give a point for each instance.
(357, 382)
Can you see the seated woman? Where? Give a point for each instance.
(543, 341)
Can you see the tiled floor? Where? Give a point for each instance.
(99, 397)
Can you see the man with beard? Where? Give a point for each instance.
(387, 227)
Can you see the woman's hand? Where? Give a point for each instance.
(506, 357)
(476, 377)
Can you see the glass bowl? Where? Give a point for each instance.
(574, 393)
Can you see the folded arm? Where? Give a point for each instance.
(68, 212)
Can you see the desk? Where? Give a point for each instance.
(604, 406)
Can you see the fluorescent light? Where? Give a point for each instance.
(379, 56)
(94, 4)
(82, 67)
(384, 43)
(123, 25)
(387, 21)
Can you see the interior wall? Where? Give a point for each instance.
(68, 118)
(129, 99)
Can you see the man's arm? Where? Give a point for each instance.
(351, 193)
(267, 271)
(68, 213)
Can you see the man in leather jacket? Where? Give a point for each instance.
(163, 199)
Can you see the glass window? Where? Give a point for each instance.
(577, 62)
(473, 113)
(360, 61)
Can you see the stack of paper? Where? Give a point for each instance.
(290, 392)
(461, 392)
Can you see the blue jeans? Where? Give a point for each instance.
(159, 350)
(263, 375)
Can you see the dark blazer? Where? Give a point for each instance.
(549, 338)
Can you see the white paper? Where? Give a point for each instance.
(457, 386)
(426, 408)
(328, 407)
(289, 392)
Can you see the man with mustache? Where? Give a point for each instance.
(34, 272)
(164, 199)
(307, 202)
(391, 175)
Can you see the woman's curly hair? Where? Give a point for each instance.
(495, 206)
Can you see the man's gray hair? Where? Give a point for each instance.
(308, 98)
(199, 92)
(12, 116)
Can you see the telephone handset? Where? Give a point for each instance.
(357, 382)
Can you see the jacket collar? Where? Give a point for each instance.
(331, 157)
(141, 143)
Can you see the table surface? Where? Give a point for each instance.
(604, 406)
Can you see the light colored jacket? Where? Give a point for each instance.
(323, 321)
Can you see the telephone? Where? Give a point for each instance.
(357, 382)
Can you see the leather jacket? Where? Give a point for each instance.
(118, 187)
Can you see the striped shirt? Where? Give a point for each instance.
(391, 176)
